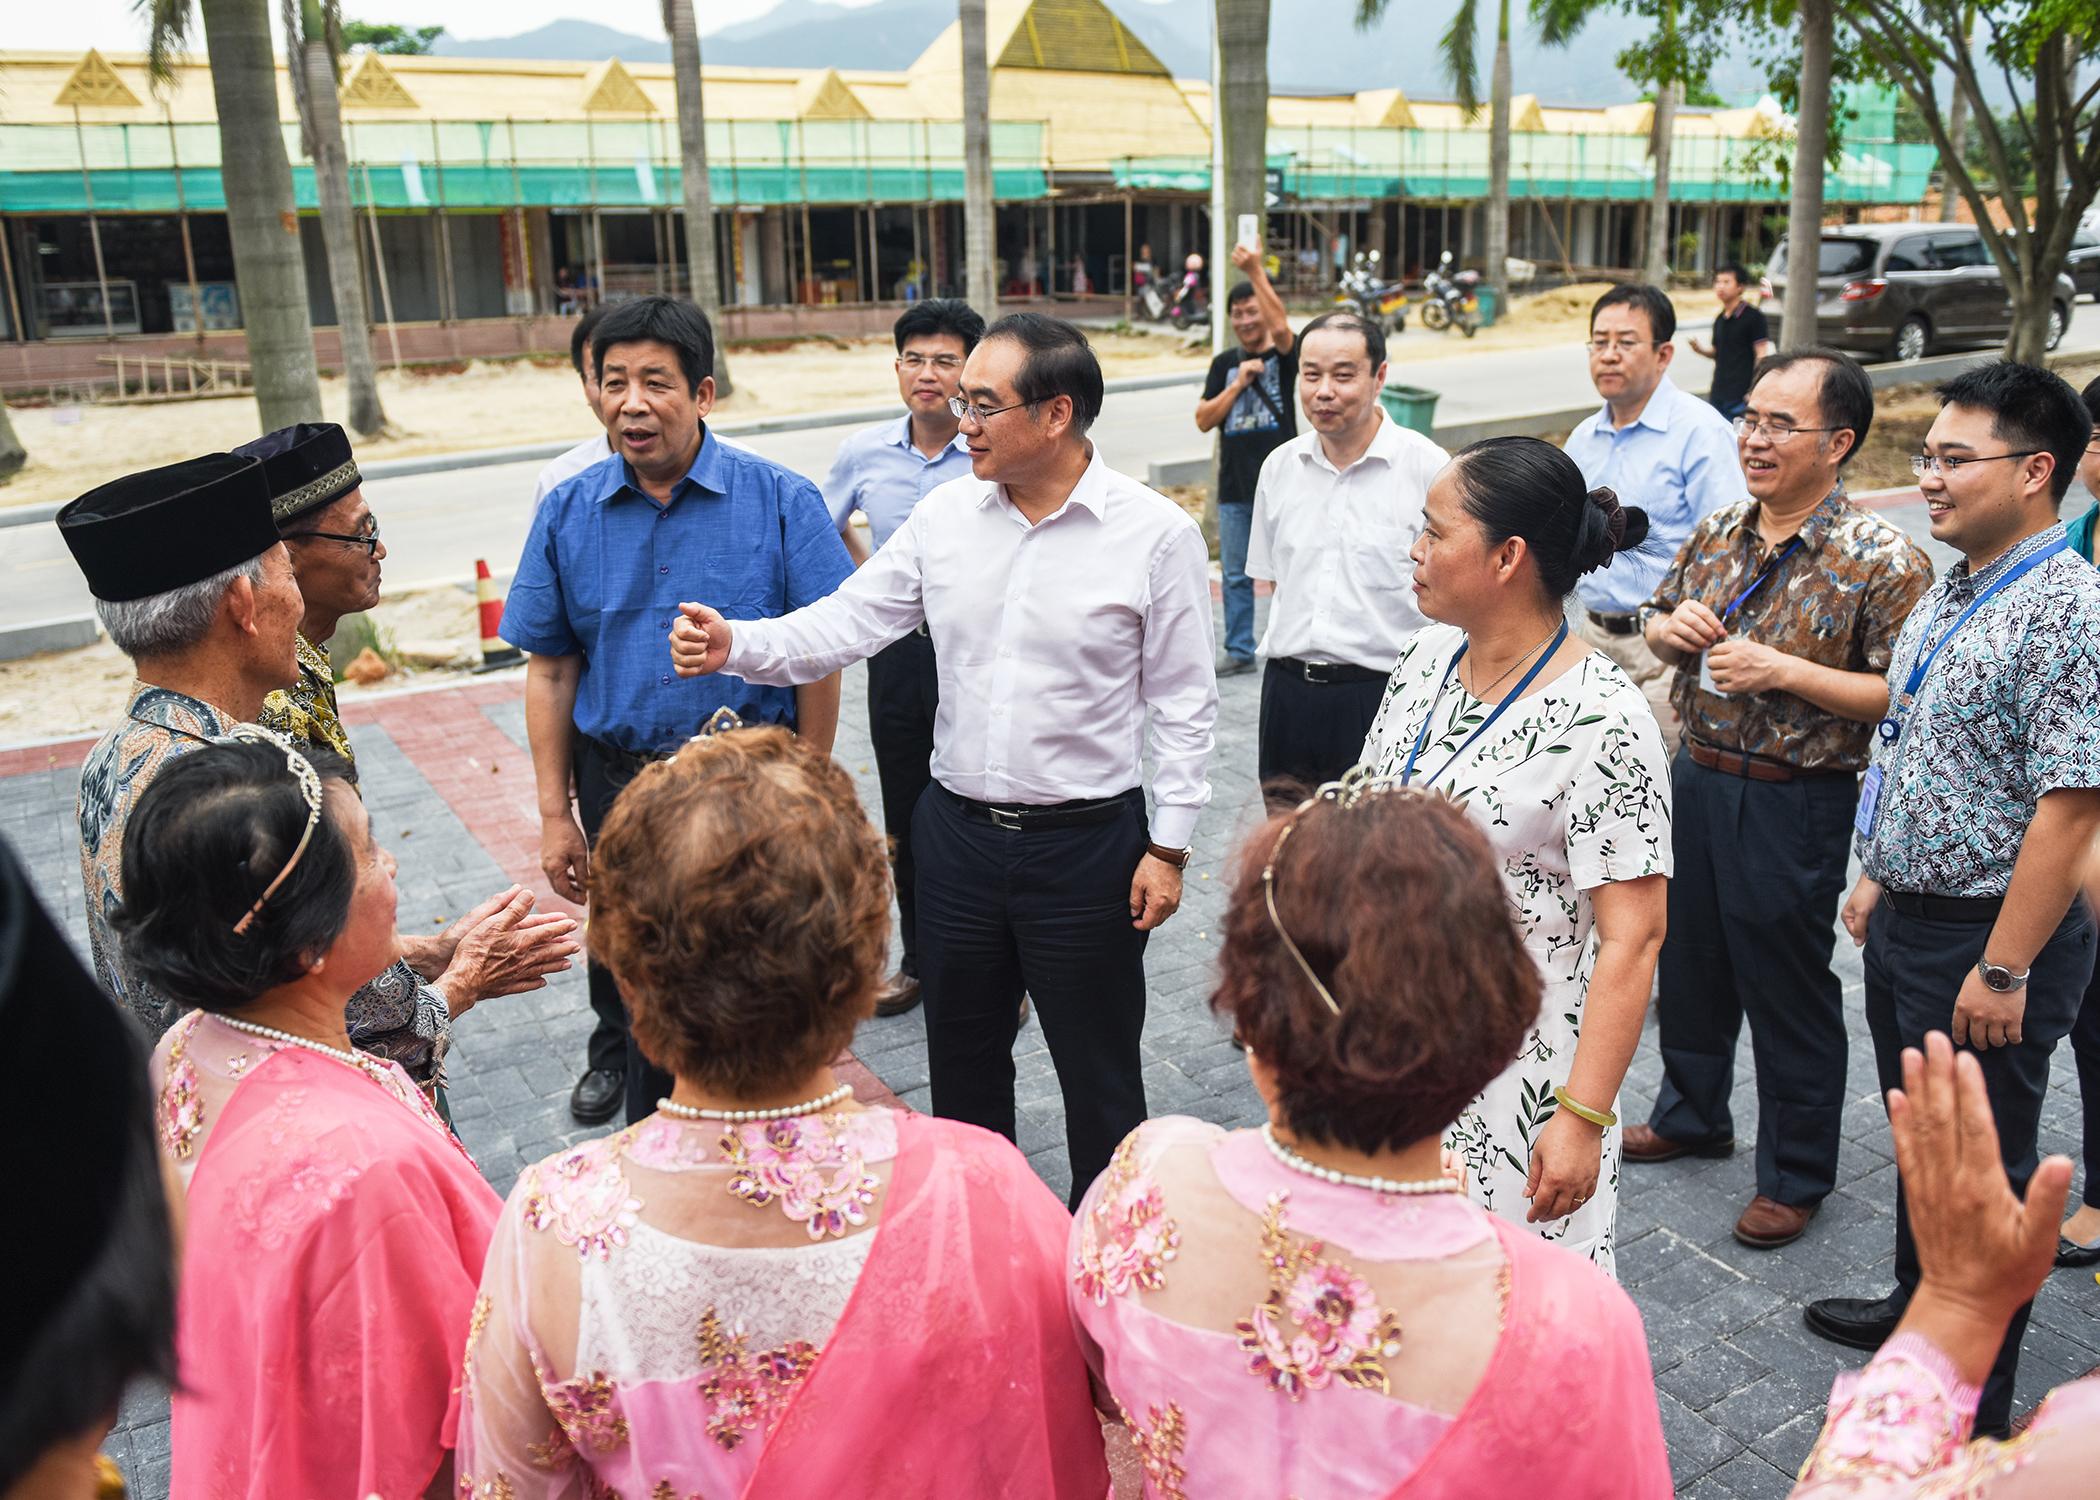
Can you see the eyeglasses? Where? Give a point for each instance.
(1922, 464)
(1623, 346)
(1776, 432)
(966, 411)
(947, 364)
(367, 538)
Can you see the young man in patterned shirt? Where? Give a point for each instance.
(1975, 819)
(1779, 616)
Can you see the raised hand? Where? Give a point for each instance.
(699, 641)
(508, 952)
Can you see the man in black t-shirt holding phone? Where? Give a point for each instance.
(1250, 400)
(1741, 339)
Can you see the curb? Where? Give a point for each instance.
(39, 636)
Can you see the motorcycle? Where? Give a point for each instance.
(1451, 299)
(1365, 294)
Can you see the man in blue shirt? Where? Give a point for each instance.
(673, 512)
(1659, 448)
(882, 472)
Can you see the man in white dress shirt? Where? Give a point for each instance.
(592, 450)
(1336, 511)
(1068, 605)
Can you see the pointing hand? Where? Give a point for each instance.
(699, 641)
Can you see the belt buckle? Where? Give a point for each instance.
(1315, 672)
(1001, 818)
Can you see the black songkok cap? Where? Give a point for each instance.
(158, 530)
(308, 465)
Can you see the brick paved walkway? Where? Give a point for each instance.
(1742, 1384)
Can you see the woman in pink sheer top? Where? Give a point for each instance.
(335, 1228)
(766, 1288)
(1313, 1308)
(1899, 1429)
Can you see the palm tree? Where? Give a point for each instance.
(12, 454)
(980, 247)
(1461, 68)
(313, 32)
(1241, 114)
(262, 217)
(699, 192)
(1804, 224)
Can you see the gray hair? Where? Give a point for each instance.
(176, 620)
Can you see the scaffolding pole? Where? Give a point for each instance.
(386, 294)
(87, 184)
(182, 217)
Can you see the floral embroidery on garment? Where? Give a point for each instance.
(1126, 1239)
(815, 1166)
(1321, 1322)
(582, 1196)
(1160, 1448)
(476, 1322)
(181, 1100)
(665, 1145)
(584, 1408)
(497, 1488)
(746, 1393)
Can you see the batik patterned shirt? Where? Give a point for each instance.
(305, 712)
(1838, 600)
(2009, 713)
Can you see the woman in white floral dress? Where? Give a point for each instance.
(1557, 756)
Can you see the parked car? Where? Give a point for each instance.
(1900, 291)
(2082, 265)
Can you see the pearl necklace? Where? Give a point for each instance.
(272, 1034)
(738, 1116)
(387, 1078)
(1289, 1158)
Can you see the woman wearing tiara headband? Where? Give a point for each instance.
(1314, 1307)
(765, 1287)
(1557, 756)
(335, 1227)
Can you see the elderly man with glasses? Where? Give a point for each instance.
(1779, 617)
(1658, 447)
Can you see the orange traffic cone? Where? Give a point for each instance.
(496, 654)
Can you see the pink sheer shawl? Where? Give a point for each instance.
(335, 1243)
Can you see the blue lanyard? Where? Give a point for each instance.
(1407, 772)
(1759, 581)
(1892, 726)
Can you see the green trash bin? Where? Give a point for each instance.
(1490, 305)
(1411, 406)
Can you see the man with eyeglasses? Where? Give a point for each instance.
(1977, 815)
(1071, 619)
(1779, 616)
(1657, 447)
(883, 472)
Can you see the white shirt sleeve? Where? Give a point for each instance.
(881, 602)
(1177, 675)
(1260, 563)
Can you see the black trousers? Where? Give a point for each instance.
(2085, 1049)
(1915, 968)
(1753, 914)
(904, 694)
(1313, 731)
(599, 779)
(1044, 912)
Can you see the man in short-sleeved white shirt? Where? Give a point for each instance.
(1336, 511)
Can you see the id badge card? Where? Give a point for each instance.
(1706, 676)
(1869, 802)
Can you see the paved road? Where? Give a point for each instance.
(438, 524)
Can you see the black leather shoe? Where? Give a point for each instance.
(901, 996)
(596, 1097)
(2070, 1253)
(1860, 1322)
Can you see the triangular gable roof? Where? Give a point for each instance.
(94, 84)
(826, 96)
(1065, 36)
(372, 85)
(1385, 108)
(609, 89)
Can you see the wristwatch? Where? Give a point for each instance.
(1178, 858)
(2000, 978)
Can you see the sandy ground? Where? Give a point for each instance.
(1903, 414)
(483, 405)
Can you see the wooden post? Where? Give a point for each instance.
(182, 217)
(87, 185)
(1129, 255)
(7, 273)
(386, 296)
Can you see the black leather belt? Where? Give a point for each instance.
(1944, 908)
(623, 764)
(1327, 672)
(1023, 817)
(1615, 624)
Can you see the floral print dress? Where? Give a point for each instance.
(1572, 788)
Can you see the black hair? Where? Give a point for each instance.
(1524, 487)
(1241, 291)
(940, 315)
(1845, 398)
(1060, 362)
(2030, 408)
(1726, 268)
(580, 335)
(661, 320)
(1641, 297)
(2091, 397)
(212, 830)
(1349, 322)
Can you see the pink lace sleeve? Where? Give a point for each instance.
(1899, 1423)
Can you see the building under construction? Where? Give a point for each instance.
(494, 198)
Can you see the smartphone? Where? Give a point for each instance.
(1250, 231)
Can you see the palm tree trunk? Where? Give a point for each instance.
(261, 215)
(1804, 224)
(12, 454)
(1242, 113)
(1656, 267)
(980, 249)
(324, 129)
(1497, 271)
(699, 191)
(1957, 130)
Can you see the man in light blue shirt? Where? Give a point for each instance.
(883, 472)
(1659, 448)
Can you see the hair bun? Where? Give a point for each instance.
(1606, 499)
